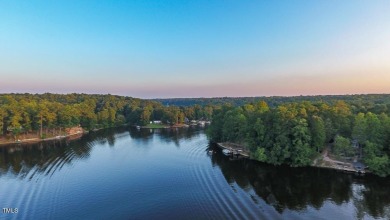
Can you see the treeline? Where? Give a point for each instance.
(31, 112)
(372, 102)
(295, 133)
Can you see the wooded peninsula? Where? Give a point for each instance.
(276, 130)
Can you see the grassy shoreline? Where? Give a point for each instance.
(152, 126)
(157, 126)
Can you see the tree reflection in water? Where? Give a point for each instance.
(27, 160)
(297, 189)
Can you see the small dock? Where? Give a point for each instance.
(233, 150)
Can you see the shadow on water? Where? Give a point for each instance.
(297, 189)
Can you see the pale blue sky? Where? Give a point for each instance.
(199, 48)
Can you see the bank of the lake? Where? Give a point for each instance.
(34, 137)
(322, 161)
(72, 134)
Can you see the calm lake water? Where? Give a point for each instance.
(126, 173)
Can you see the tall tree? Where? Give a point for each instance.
(301, 151)
(374, 131)
(318, 134)
(359, 131)
(3, 114)
(343, 147)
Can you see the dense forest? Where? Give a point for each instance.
(366, 101)
(22, 113)
(295, 133)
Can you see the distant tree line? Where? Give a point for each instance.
(32, 112)
(294, 133)
(375, 103)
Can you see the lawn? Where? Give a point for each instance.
(155, 126)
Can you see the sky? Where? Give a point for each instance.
(201, 48)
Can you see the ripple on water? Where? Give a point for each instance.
(214, 191)
(222, 200)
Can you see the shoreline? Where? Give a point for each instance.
(76, 135)
(236, 149)
(38, 140)
(71, 136)
(164, 126)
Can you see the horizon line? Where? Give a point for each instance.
(215, 97)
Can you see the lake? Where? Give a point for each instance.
(125, 173)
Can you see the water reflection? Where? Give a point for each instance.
(27, 160)
(282, 188)
(44, 158)
(300, 188)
